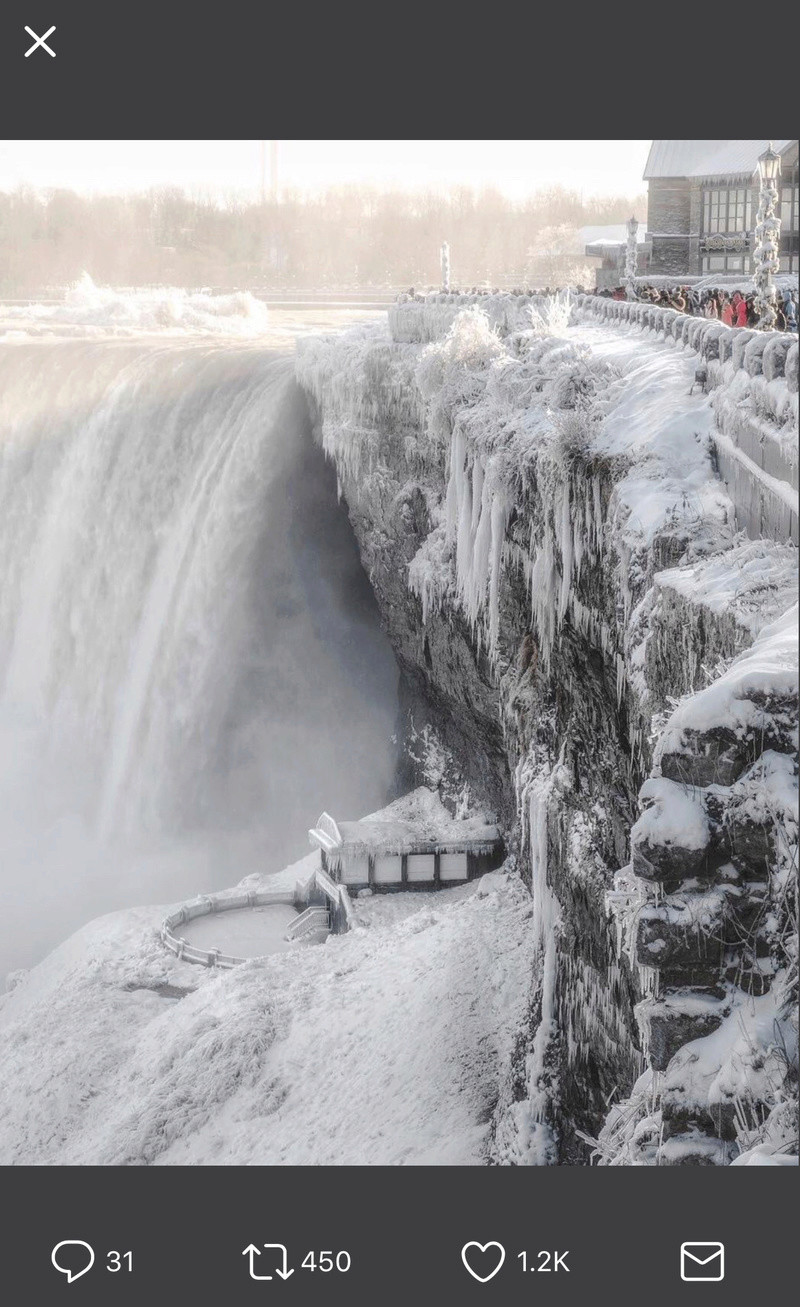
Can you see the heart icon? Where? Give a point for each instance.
(487, 1266)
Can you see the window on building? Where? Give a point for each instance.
(789, 208)
(726, 210)
(727, 263)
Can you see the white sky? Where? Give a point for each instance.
(515, 167)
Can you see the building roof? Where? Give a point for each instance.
(707, 158)
(616, 234)
(363, 837)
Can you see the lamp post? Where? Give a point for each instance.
(630, 259)
(766, 255)
(445, 266)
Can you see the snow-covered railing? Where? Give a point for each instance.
(209, 903)
(346, 906)
(313, 919)
(321, 891)
(708, 337)
(328, 887)
(430, 317)
(753, 379)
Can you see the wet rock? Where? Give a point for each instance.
(750, 844)
(667, 863)
(669, 1028)
(671, 936)
(695, 1149)
(680, 1116)
(716, 757)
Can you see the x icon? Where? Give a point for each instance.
(40, 41)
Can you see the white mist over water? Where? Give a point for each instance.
(191, 664)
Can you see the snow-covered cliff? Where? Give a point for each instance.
(556, 559)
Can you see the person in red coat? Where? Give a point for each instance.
(741, 312)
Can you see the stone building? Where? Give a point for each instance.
(702, 200)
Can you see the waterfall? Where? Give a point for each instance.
(191, 662)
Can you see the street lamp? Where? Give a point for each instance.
(766, 256)
(630, 259)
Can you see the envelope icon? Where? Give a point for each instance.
(702, 1261)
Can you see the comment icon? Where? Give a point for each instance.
(73, 1258)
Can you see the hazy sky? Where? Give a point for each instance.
(515, 167)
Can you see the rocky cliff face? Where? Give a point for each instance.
(537, 509)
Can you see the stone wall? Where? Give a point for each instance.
(669, 226)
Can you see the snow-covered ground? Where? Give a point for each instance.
(386, 1045)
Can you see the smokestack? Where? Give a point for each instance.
(273, 171)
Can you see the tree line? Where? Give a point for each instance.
(349, 236)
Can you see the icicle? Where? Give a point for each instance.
(499, 522)
(566, 551)
(477, 492)
(464, 539)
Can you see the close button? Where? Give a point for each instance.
(40, 42)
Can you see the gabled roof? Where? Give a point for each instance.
(678, 158)
(616, 234)
(707, 158)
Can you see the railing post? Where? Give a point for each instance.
(445, 256)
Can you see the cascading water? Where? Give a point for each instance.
(191, 663)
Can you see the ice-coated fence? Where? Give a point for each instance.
(205, 904)
(753, 380)
(428, 318)
(318, 893)
(752, 377)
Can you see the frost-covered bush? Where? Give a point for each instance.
(575, 434)
(470, 345)
(452, 372)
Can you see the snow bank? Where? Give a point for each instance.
(405, 1028)
(674, 815)
(755, 581)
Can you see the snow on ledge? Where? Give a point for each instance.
(769, 667)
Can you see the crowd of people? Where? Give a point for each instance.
(732, 307)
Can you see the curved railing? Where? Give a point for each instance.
(203, 906)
